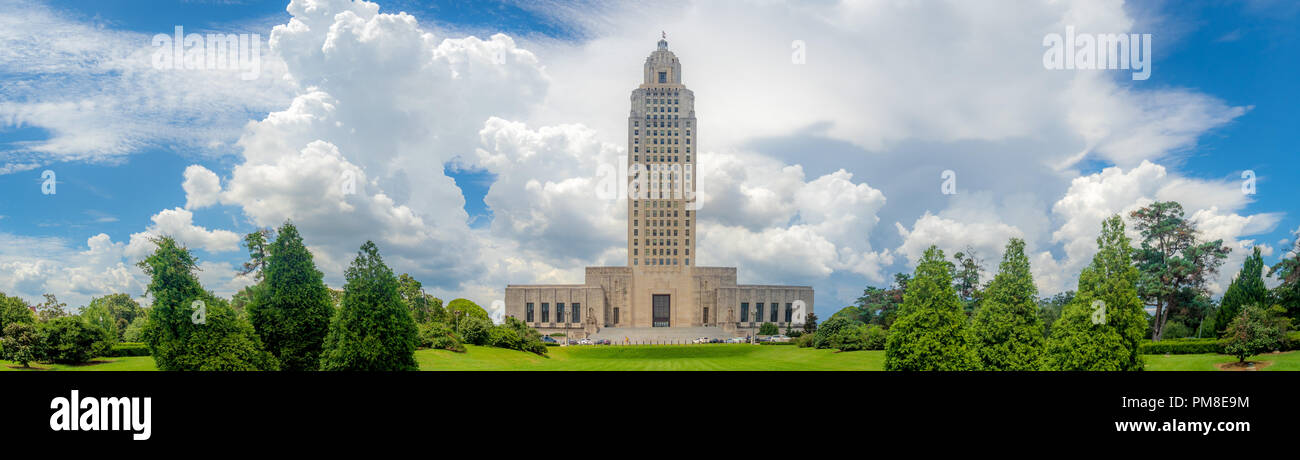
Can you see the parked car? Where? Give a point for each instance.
(586, 342)
(738, 340)
(701, 340)
(780, 338)
(549, 339)
(603, 342)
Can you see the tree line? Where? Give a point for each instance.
(941, 318)
(288, 320)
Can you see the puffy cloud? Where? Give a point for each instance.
(38, 265)
(1212, 206)
(178, 223)
(808, 230)
(202, 187)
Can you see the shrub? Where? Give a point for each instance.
(224, 341)
(768, 329)
(70, 340)
(504, 337)
(22, 343)
(1182, 346)
(1175, 329)
(1254, 331)
(530, 339)
(135, 331)
(805, 340)
(1007, 328)
(14, 310)
(828, 329)
(877, 337)
(372, 330)
(931, 332)
(793, 333)
(860, 337)
(291, 308)
(439, 336)
(128, 349)
(474, 330)
(1102, 329)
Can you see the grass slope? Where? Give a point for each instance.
(128, 363)
(721, 357)
(717, 357)
(1289, 361)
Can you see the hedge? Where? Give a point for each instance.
(1197, 346)
(128, 349)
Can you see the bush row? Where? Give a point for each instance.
(1199, 346)
(128, 349)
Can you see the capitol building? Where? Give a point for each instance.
(660, 293)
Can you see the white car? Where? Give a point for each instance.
(585, 342)
(737, 340)
(779, 338)
(701, 340)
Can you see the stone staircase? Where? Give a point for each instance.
(653, 335)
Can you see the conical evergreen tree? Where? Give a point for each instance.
(291, 311)
(931, 332)
(372, 330)
(1104, 325)
(222, 341)
(1008, 331)
(1247, 289)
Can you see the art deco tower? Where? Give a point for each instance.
(662, 151)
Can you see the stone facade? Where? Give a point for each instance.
(660, 287)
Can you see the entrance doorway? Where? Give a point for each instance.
(706, 316)
(662, 310)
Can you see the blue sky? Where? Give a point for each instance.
(1238, 54)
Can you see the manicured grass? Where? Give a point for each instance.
(719, 357)
(126, 363)
(714, 357)
(1289, 361)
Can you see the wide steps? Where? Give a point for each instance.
(619, 335)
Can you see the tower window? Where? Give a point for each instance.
(663, 77)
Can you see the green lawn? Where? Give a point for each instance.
(715, 357)
(718, 357)
(1289, 361)
(130, 363)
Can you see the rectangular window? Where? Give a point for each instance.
(663, 77)
(529, 313)
(758, 311)
(744, 312)
(789, 313)
(577, 312)
(775, 307)
(559, 312)
(546, 312)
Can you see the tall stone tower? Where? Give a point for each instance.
(661, 287)
(661, 129)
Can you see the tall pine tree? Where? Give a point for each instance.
(1008, 331)
(372, 330)
(291, 311)
(1247, 289)
(1100, 330)
(931, 333)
